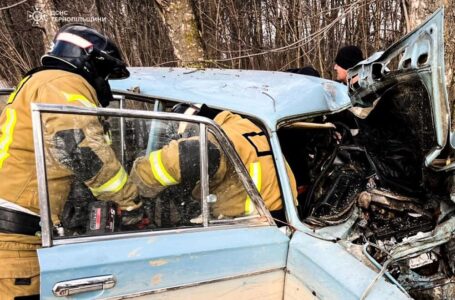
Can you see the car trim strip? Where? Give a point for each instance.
(188, 285)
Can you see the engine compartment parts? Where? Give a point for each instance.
(376, 166)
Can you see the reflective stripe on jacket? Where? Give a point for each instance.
(253, 147)
(65, 136)
(162, 169)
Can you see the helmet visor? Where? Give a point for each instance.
(65, 49)
(76, 41)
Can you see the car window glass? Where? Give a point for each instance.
(228, 199)
(127, 103)
(89, 163)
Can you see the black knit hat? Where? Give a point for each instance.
(348, 56)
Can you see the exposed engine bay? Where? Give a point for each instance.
(372, 169)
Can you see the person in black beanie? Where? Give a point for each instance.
(347, 57)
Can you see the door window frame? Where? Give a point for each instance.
(206, 125)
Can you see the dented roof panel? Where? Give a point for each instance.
(268, 96)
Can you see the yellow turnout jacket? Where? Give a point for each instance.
(162, 169)
(75, 147)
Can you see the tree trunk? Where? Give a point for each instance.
(49, 27)
(128, 21)
(180, 23)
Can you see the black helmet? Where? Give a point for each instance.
(183, 130)
(87, 50)
(195, 109)
(308, 70)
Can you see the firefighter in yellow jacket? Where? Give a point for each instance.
(74, 72)
(172, 164)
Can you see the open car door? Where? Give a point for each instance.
(198, 256)
(413, 69)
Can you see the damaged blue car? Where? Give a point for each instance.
(373, 162)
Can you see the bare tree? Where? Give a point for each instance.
(254, 34)
(48, 26)
(183, 32)
(21, 42)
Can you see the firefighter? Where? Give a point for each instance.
(178, 162)
(74, 72)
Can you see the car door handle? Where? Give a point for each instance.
(76, 286)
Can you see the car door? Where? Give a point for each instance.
(417, 60)
(319, 264)
(201, 258)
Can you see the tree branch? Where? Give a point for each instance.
(13, 5)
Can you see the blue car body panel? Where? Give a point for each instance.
(268, 96)
(332, 272)
(165, 261)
